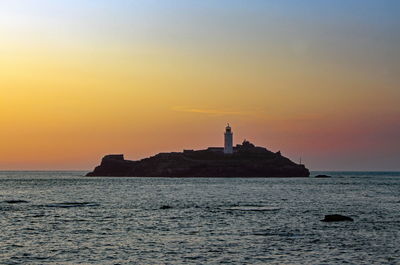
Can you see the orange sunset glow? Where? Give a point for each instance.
(79, 80)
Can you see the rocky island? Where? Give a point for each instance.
(243, 160)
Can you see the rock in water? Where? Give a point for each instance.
(246, 161)
(337, 218)
(322, 176)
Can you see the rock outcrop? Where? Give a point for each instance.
(337, 218)
(322, 176)
(247, 161)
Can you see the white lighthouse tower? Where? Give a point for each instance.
(228, 147)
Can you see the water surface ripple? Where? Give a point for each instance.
(64, 218)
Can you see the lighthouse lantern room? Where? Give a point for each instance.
(228, 147)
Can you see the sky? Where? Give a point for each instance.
(318, 80)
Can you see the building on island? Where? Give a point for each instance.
(228, 147)
(228, 144)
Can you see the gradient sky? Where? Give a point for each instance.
(81, 79)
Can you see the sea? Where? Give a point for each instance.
(66, 218)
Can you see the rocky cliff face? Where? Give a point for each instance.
(247, 161)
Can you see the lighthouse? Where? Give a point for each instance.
(228, 147)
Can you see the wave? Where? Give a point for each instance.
(252, 208)
(15, 201)
(71, 204)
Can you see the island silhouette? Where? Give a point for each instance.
(243, 160)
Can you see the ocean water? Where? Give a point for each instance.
(65, 218)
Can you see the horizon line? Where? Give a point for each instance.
(82, 170)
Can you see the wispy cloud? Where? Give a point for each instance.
(259, 114)
(215, 111)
